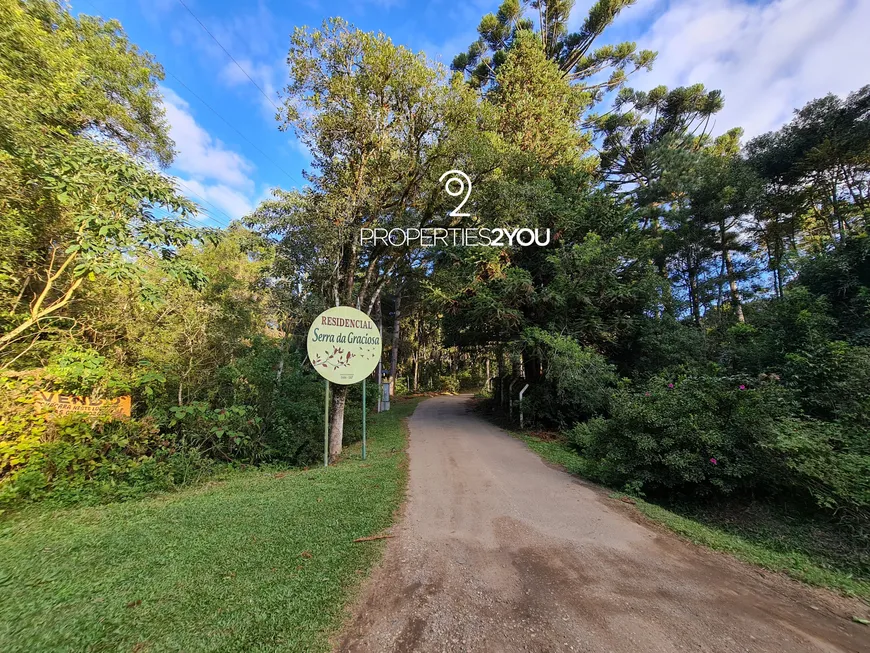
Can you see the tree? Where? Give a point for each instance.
(186, 334)
(382, 124)
(641, 138)
(643, 123)
(705, 193)
(573, 53)
(817, 174)
(539, 110)
(79, 111)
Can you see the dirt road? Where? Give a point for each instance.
(498, 552)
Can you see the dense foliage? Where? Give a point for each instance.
(697, 324)
(106, 290)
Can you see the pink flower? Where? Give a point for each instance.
(670, 385)
(713, 461)
(646, 394)
(743, 387)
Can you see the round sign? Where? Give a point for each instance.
(344, 345)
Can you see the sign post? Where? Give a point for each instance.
(364, 419)
(326, 425)
(344, 347)
(66, 404)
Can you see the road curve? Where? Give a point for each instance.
(498, 552)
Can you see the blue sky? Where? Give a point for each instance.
(768, 57)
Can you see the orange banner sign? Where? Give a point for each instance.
(65, 404)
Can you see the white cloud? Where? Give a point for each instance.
(642, 10)
(263, 74)
(299, 147)
(198, 153)
(768, 58)
(209, 170)
(217, 200)
(252, 38)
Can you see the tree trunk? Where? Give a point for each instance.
(693, 295)
(280, 371)
(381, 358)
(416, 370)
(394, 353)
(336, 428)
(732, 284)
(732, 277)
(501, 374)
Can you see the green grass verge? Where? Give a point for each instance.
(259, 561)
(766, 553)
(770, 540)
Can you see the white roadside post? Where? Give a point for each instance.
(525, 387)
(385, 394)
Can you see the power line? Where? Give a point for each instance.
(218, 114)
(189, 190)
(167, 214)
(227, 122)
(200, 213)
(234, 128)
(245, 72)
(208, 216)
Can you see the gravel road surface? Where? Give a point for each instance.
(496, 551)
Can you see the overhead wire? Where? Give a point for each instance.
(234, 128)
(201, 198)
(219, 115)
(227, 52)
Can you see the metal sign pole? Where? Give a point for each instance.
(326, 425)
(358, 351)
(364, 418)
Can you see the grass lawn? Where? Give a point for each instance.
(811, 551)
(258, 561)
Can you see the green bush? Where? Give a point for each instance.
(289, 405)
(400, 386)
(83, 458)
(80, 457)
(822, 461)
(832, 380)
(702, 434)
(228, 433)
(842, 276)
(706, 435)
(448, 383)
(576, 385)
(659, 344)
